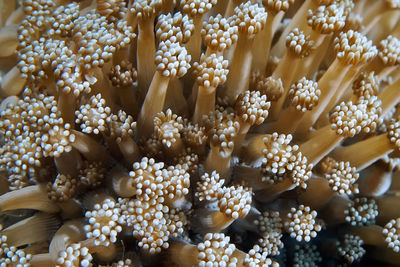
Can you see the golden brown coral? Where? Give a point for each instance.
(67, 55)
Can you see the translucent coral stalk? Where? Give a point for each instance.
(273, 191)
(250, 19)
(172, 60)
(218, 161)
(129, 149)
(15, 17)
(69, 163)
(145, 53)
(344, 86)
(298, 45)
(8, 40)
(30, 197)
(6, 7)
(130, 17)
(385, 254)
(153, 103)
(183, 254)
(175, 99)
(230, 8)
(317, 194)
(37, 228)
(377, 181)
(239, 72)
(386, 210)
(389, 96)
(371, 150)
(312, 63)
(317, 147)
(12, 83)
(371, 234)
(66, 105)
(145, 13)
(254, 177)
(88, 147)
(334, 211)
(42, 260)
(376, 11)
(262, 44)
(71, 231)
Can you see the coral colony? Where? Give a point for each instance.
(199, 133)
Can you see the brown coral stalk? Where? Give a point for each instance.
(364, 153)
(145, 54)
(389, 96)
(322, 142)
(37, 228)
(12, 83)
(8, 39)
(240, 66)
(89, 148)
(30, 197)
